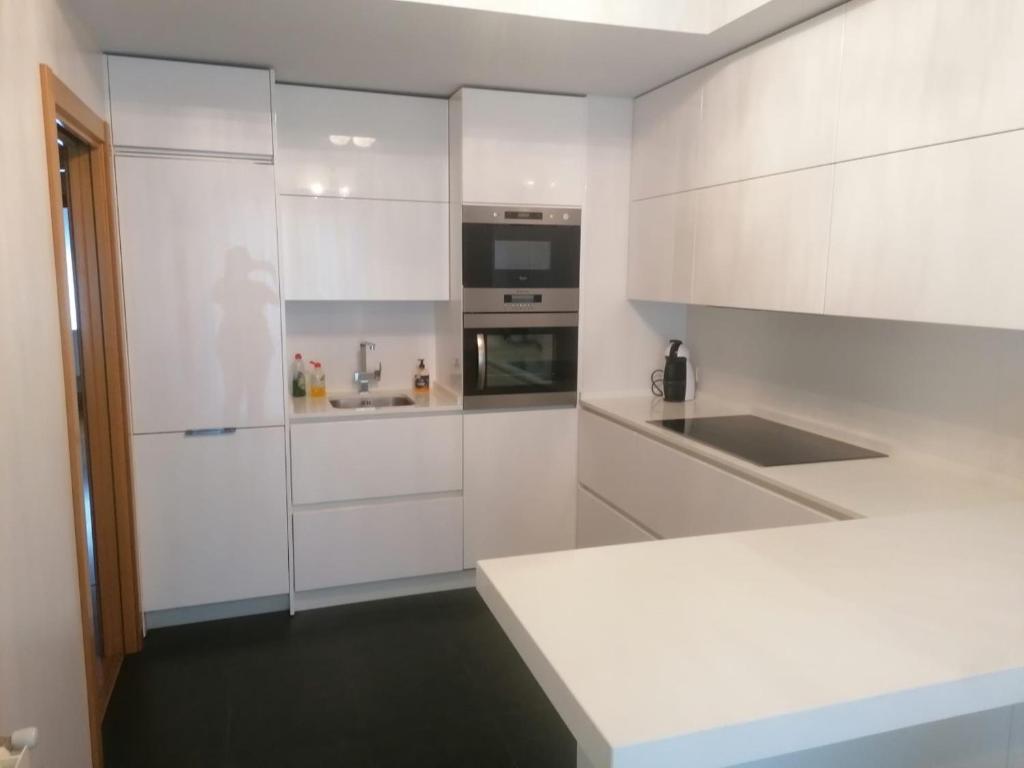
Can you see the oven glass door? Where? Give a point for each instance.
(513, 359)
(520, 256)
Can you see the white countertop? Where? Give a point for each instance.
(902, 483)
(718, 650)
(436, 399)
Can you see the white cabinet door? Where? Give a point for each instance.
(932, 235)
(202, 303)
(599, 525)
(661, 242)
(211, 517)
(181, 106)
(375, 457)
(364, 250)
(520, 482)
(523, 148)
(666, 132)
(606, 464)
(358, 144)
(918, 72)
(377, 541)
(772, 108)
(763, 243)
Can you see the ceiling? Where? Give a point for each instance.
(424, 47)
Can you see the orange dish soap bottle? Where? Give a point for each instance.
(317, 380)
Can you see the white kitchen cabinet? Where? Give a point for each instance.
(931, 235)
(600, 525)
(772, 107)
(369, 458)
(666, 132)
(672, 493)
(520, 482)
(185, 107)
(661, 242)
(523, 148)
(211, 517)
(202, 303)
(918, 72)
(365, 145)
(377, 541)
(763, 243)
(363, 250)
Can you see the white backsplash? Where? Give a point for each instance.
(331, 331)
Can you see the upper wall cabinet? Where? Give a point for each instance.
(918, 72)
(364, 145)
(666, 129)
(763, 243)
(184, 107)
(772, 108)
(523, 148)
(932, 234)
(661, 233)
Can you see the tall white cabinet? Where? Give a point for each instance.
(196, 202)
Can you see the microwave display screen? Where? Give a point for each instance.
(522, 255)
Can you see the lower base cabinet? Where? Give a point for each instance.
(598, 524)
(211, 517)
(375, 541)
(519, 482)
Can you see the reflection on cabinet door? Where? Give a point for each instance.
(202, 303)
(600, 525)
(178, 105)
(211, 517)
(763, 243)
(364, 250)
(666, 130)
(661, 240)
(932, 235)
(919, 72)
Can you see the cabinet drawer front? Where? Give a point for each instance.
(190, 107)
(606, 464)
(369, 250)
(373, 458)
(373, 542)
(211, 517)
(599, 525)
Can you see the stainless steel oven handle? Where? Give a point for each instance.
(481, 361)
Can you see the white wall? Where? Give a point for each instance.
(621, 341)
(331, 331)
(42, 674)
(951, 391)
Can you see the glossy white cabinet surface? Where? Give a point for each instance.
(666, 132)
(377, 541)
(772, 108)
(358, 144)
(182, 106)
(523, 148)
(210, 517)
(661, 241)
(363, 250)
(599, 525)
(520, 482)
(202, 303)
(763, 243)
(931, 235)
(376, 457)
(919, 72)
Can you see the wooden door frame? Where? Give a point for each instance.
(61, 104)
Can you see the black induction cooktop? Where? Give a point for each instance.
(765, 443)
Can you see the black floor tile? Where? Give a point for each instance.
(418, 681)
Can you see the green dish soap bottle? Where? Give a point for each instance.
(298, 376)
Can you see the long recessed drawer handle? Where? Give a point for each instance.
(210, 432)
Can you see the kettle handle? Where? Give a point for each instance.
(673, 347)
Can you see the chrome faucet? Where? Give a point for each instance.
(362, 377)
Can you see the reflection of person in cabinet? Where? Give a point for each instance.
(244, 340)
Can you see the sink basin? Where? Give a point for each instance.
(371, 401)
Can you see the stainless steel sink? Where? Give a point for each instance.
(371, 401)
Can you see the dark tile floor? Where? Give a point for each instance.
(415, 681)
